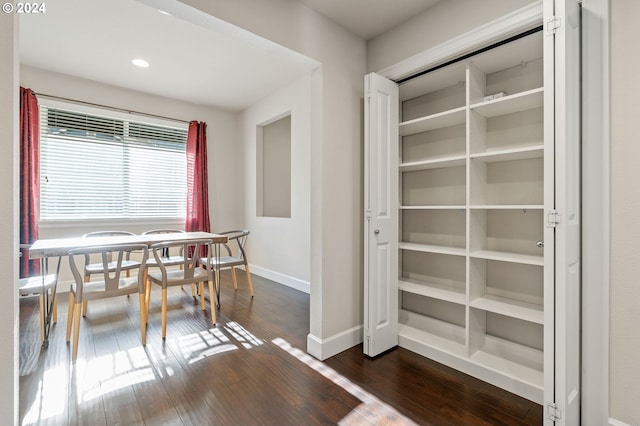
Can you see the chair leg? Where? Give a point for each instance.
(164, 313)
(87, 278)
(42, 315)
(143, 319)
(76, 333)
(201, 293)
(70, 314)
(212, 303)
(246, 269)
(147, 300)
(233, 278)
(55, 309)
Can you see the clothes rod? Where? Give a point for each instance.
(127, 111)
(468, 55)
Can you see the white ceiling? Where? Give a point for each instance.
(213, 65)
(369, 18)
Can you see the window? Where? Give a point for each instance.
(98, 166)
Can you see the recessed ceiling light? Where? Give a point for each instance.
(164, 13)
(140, 63)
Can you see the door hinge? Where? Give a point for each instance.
(367, 214)
(553, 218)
(553, 412)
(552, 25)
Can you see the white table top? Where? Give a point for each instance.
(60, 246)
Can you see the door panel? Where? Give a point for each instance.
(566, 93)
(381, 215)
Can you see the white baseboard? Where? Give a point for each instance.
(283, 279)
(614, 422)
(326, 348)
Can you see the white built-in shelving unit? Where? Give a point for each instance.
(471, 224)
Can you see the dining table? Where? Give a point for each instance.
(46, 248)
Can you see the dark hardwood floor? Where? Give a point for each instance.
(252, 369)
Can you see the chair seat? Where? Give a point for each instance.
(177, 277)
(225, 261)
(92, 289)
(167, 261)
(35, 284)
(97, 267)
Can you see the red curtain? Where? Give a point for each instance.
(197, 187)
(29, 177)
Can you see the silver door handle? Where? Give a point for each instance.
(377, 231)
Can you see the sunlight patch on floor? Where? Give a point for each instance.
(224, 338)
(49, 400)
(109, 373)
(371, 411)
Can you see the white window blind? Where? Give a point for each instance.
(95, 167)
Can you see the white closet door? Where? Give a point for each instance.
(381, 215)
(564, 389)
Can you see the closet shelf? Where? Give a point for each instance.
(506, 207)
(437, 334)
(430, 248)
(512, 360)
(434, 121)
(509, 307)
(432, 207)
(524, 153)
(459, 160)
(509, 104)
(447, 293)
(503, 256)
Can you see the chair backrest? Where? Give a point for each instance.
(192, 250)
(240, 238)
(162, 231)
(165, 252)
(104, 234)
(110, 275)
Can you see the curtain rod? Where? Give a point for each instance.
(127, 111)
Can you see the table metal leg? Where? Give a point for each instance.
(49, 299)
(217, 274)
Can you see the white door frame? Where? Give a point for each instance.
(595, 212)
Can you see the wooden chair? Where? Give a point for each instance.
(189, 273)
(45, 287)
(236, 239)
(168, 258)
(113, 284)
(96, 268)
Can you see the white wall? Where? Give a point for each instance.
(624, 335)
(278, 247)
(9, 225)
(440, 23)
(221, 148)
(336, 158)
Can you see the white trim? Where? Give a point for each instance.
(283, 279)
(595, 213)
(507, 26)
(332, 345)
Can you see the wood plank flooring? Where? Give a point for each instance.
(251, 369)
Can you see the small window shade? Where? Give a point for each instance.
(94, 167)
